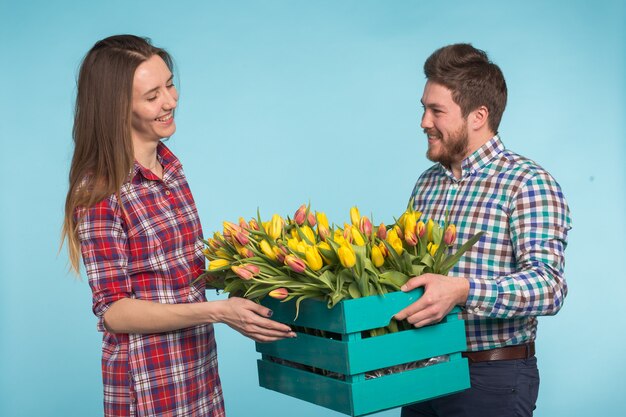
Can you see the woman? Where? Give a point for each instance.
(130, 212)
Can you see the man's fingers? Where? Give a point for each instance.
(410, 310)
(413, 283)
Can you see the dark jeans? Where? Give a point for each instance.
(499, 389)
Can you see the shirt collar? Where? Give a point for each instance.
(479, 159)
(168, 160)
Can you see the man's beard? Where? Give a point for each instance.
(451, 149)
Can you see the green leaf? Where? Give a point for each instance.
(396, 278)
(453, 259)
(361, 254)
(428, 260)
(418, 269)
(329, 279)
(354, 291)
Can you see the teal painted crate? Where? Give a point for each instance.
(286, 365)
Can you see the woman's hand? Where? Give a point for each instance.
(251, 320)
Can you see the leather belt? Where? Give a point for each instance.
(506, 353)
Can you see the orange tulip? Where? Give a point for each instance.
(279, 293)
(449, 235)
(382, 232)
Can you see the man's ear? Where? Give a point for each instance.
(478, 119)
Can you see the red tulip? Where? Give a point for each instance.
(365, 226)
(300, 216)
(242, 272)
(295, 263)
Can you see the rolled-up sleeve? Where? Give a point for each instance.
(104, 247)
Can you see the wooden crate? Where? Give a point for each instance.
(292, 366)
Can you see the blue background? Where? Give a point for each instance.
(288, 102)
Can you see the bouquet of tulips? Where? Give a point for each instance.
(306, 257)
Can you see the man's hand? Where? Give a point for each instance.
(441, 294)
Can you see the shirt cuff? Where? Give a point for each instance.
(482, 296)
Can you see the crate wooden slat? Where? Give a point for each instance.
(352, 355)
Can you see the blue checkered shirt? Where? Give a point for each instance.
(516, 270)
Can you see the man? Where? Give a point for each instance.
(515, 272)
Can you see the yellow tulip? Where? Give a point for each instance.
(222, 254)
(218, 264)
(324, 247)
(396, 244)
(383, 249)
(355, 216)
(309, 233)
(321, 219)
(275, 227)
(410, 222)
(429, 229)
(377, 257)
(346, 254)
(322, 225)
(432, 248)
(338, 237)
(392, 235)
(266, 248)
(357, 237)
(313, 258)
(292, 244)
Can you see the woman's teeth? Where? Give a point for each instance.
(164, 118)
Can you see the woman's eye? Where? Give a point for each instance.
(152, 98)
(170, 86)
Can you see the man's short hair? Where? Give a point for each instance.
(471, 77)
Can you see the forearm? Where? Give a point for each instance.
(140, 316)
(531, 292)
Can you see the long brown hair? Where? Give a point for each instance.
(103, 150)
(471, 77)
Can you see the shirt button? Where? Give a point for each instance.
(167, 192)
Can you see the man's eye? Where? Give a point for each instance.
(170, 86)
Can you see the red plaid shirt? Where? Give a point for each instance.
(151, 252)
